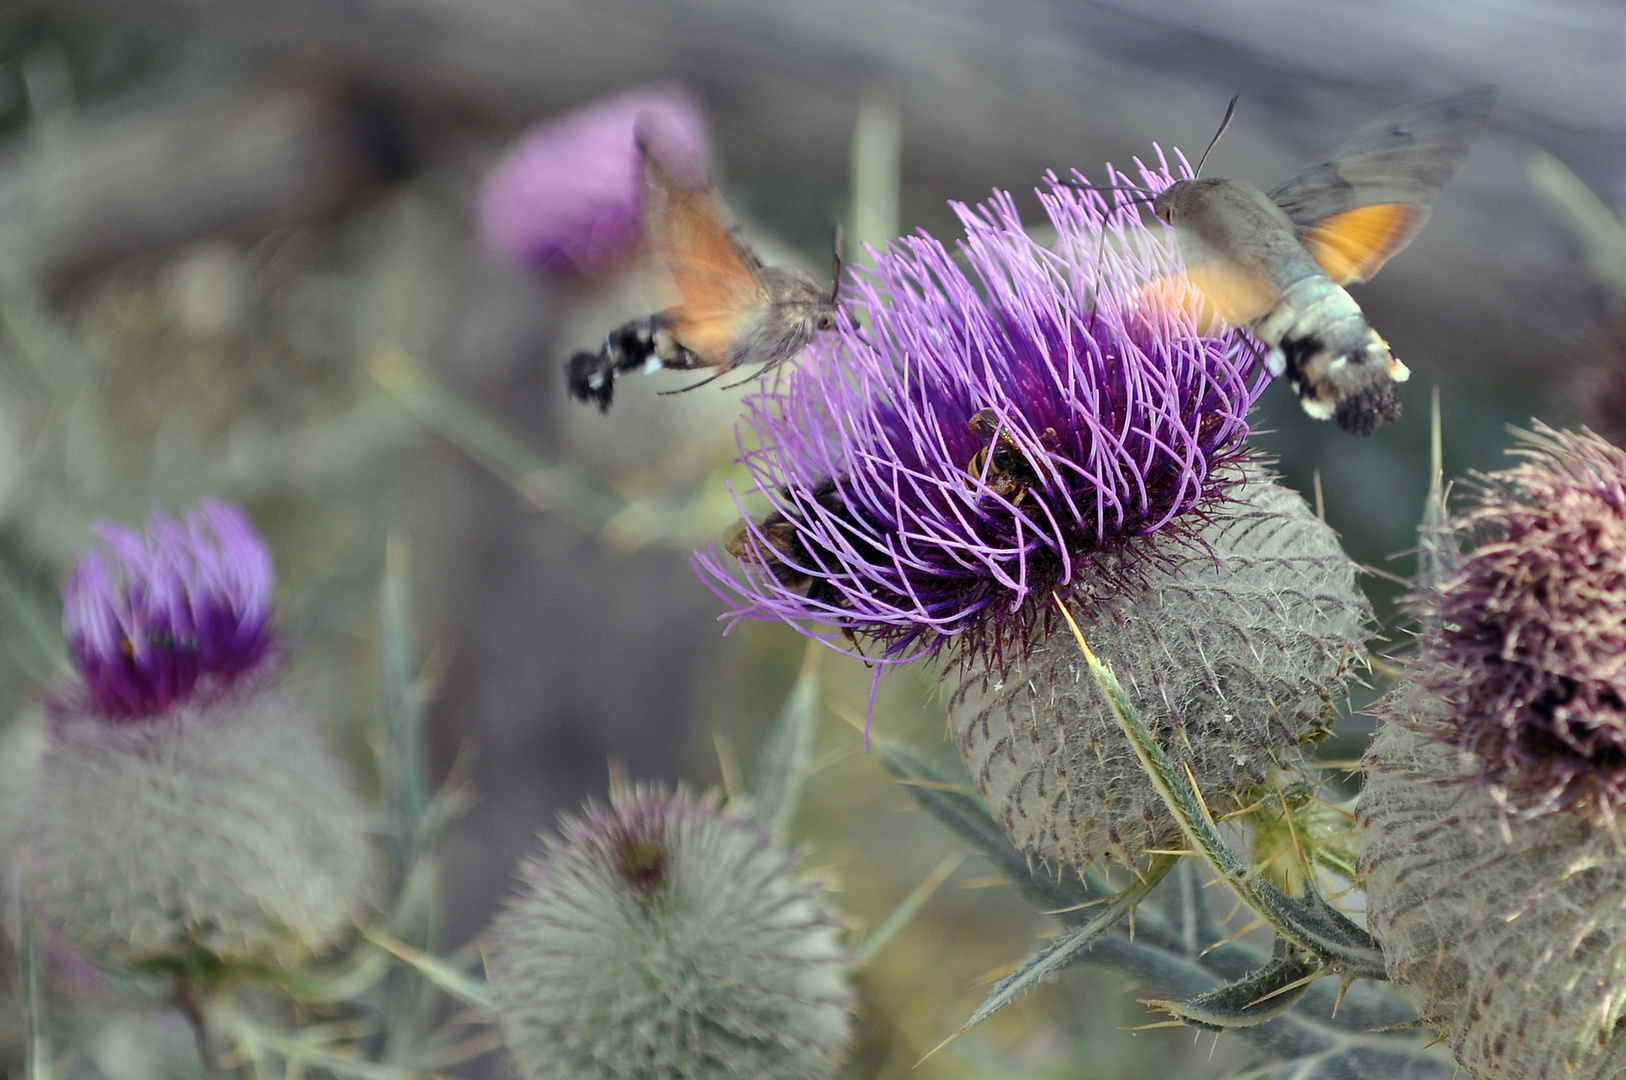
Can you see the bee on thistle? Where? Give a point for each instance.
(999, 428)
(1001, 464)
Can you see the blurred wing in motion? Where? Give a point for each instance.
(1366, 201)
(719, 280)
(730, 309)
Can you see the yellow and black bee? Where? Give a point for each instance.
(1000, 464)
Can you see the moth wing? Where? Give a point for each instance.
(1215, 292)
(718, 278)
(713, 339)
(1401, 159)
(1352, 246)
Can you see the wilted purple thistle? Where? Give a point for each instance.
(1526, 638)
(568, 198)
(991, 434)
(153, 619)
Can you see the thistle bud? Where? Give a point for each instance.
(188, 813)
(666, 937)
(1234, 649)
(1491, 834)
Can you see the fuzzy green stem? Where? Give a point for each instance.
(187, 1002)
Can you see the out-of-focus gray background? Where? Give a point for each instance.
(231, 209)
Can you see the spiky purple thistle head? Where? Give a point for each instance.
(1011, 414)
(152, 620)
(568, 197)
(1525, 639)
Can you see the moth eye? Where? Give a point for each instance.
(826, 321)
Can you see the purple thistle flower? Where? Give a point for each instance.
(151, 617)
(568, 198)
(991, 435)
(1525, 640)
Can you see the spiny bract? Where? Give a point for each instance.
(664, 937)
(1235, 651)
(221, 833)
(1507, 933)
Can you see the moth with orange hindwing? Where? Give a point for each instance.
(731, 311)
(1275, 263)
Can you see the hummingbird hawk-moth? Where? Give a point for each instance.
(1276, 262)
(732, 311)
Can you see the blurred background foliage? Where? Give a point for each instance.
(236, 258)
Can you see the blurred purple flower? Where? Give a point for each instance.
(991, 436)
(151, 617)
(568, 198)
(1525, 640)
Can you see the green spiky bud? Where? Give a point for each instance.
(1293, 832)
(1507, 932)
(222, 834)
(1235, 649)
(665, 937)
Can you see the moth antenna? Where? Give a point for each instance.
(835, 259)
(1230, 111)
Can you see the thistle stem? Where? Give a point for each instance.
(186, 1001)
(1308, 922)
